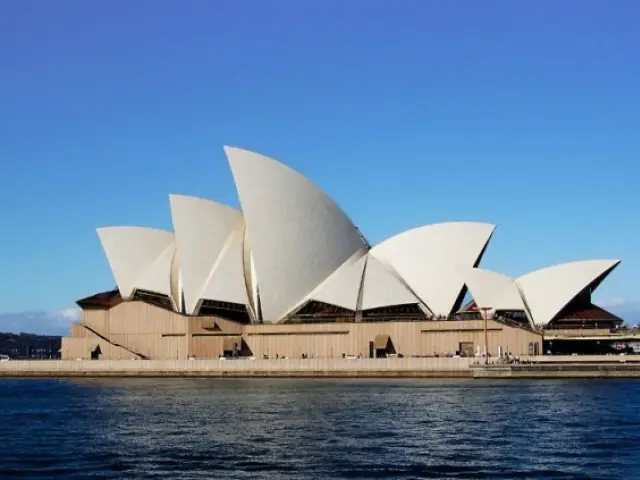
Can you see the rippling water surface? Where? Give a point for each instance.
(316, 429)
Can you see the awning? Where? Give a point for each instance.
(232, 343)
(381, 342)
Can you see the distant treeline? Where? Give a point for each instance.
(29, 345)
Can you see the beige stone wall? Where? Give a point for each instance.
(80, 347)
(72, 348)
(445, 337)
(96, 319)
(154, 345)
(78, 330)
(209, 346)
(202, 325)
(143, 328)
(157, 333)
(408, 338)
(148, 320)
(161, 334)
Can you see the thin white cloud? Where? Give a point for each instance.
(73, 313)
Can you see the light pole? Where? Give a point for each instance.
(485, 316)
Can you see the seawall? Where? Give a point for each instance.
(558, 370)
(324, 367)
(544, 367)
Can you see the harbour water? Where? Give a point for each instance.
(317, 429)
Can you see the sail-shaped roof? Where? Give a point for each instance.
(299, 236)
(428, 259)
(548, 290)
(139, 257)
(202, 229)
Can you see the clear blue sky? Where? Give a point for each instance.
(524, 114)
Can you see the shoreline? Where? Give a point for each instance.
(541, 367)
(299, 368)
(557, 371)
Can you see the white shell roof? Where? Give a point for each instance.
(493, 290)
(157, 278)
(550, 289)
(226, 281)
(343, 286)
(381, 288)
(428, 259)
(542, 293)
(139, 258)
(202, 229)
(250, 277)
(299, 236)
(176, 283)
(304, 247)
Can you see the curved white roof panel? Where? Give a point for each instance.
(381, 288)
(343, 286)
(549, 290)
(176, 283)
(493, 290)
(426, 258)
(157, 278)
(202, 228)
(299, 236)
(250, 278)
(132, 252)
(226, 282)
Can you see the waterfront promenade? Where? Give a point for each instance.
(541, 367)
(321, 367)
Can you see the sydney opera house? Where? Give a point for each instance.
(290, 275)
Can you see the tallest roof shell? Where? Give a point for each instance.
(299, 235)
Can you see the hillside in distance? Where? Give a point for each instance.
(29, 345)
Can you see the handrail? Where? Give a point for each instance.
(106, 339)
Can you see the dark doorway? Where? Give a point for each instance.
(95, 352)
(383, 346)
(235, 347)
(371, 350)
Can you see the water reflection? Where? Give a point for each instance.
(261, 428)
